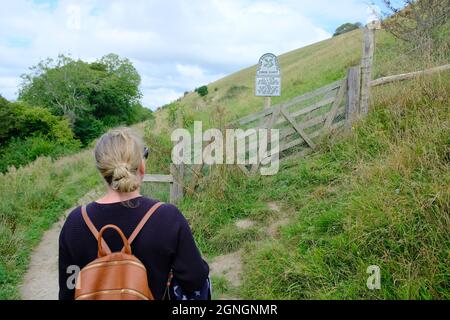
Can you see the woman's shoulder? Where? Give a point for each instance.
(168, 211)
(73, 218)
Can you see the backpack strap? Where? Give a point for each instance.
(93, 230)
(144, 221)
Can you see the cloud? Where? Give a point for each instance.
(160, 96)
(190, 71)
(9, 86)
(175, 45)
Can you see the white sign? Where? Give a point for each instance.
(268, 76)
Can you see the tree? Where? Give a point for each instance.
(422, 23)
(93, 96)
(62, 85)
(347, 27)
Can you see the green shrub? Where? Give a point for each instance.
(172, 113)
(29, 132)
(138, 113)
(202, 91)
(88, 128)
(160, 147)
(19, 152)
(101, 94)
(20, 120)
(347, 27)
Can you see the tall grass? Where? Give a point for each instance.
(32, 198)
(379, 197)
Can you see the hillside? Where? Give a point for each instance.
(379, 196)
(303, 70)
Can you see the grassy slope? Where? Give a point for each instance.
(380, 196)
(302, 70)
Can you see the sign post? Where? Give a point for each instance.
(268, 78)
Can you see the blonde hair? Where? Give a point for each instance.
(118, 155)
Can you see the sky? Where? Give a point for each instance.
(176, 45)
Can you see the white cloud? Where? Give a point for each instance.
(9, 86)
(160, 96)
(190, 71)
(175, 45)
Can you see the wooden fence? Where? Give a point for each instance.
(175, 179)
(300, 121)
(304, 119)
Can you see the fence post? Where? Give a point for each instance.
(176, 188)
(177, 172)
(180, 180)
(353, 92)
(267, 102)
(366, 67)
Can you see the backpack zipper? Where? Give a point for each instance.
(100, 264)
(114, 291)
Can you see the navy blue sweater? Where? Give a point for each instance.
(165, 242)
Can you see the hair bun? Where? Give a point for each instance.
(118, 155)
(122, 170)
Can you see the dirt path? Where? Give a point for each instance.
(229, 265)
(41, 280)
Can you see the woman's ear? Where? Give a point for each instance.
(142, 168)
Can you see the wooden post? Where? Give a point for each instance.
(366, 67)
(352, 104)
(174, 186)
(177, 172)
(267, 102)
(180, 167)
(180, 180)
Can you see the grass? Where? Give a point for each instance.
(33, 198)
(378, 196)
(303, 70)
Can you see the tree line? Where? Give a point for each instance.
(64, 104)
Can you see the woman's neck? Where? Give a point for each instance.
(113, 196)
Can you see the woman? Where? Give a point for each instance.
(164, 243)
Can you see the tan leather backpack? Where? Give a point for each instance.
(114, 275)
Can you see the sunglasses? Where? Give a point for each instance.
(146, 153)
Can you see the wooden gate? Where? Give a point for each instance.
(300, 121)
